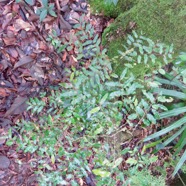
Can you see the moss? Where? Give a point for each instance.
(159, 20)
(110, 10)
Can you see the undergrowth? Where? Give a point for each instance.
(71, 124)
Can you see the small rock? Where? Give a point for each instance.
(4, 162)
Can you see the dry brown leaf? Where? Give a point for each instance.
(23, 61)
(17, 106)
(7, 20)
(3, 92)
(64, 2)
(13, 52)
(20, 24)
(9, 40)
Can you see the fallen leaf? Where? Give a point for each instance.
(9, 40)
(3, 92)
(23, 61)
(16, 106)
(7, 20)
(13, 52)
(20, 24)
(4, 162)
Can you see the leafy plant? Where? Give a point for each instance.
(139, 49)
(46, 9)
(69, 121)
(177, 128)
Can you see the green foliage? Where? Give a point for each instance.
(178, 128)
(87, 44)
(46, 9)
(87, 107)
(142, 55)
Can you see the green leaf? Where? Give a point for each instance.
(161, 71)
(52, 159)
(180, 163)
(104, 98)
(175, 125)
(52, 13)
(94, 110)
(102, 173)
(131, 161)
(135, 34)
(45, 3)
(183, 57)
(145, 59)
(114, 75)
(43, 15)
(173, 112)
(123, 74)
(30, 2)
(132, 116)
(151, 118)
(69, 93)
(173, 93)
(117, 162)
(139, 111)
(139, 59)
(165, 143)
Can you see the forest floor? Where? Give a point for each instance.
(29, 64)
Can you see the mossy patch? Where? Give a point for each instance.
(110, 10)
(159, 20)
